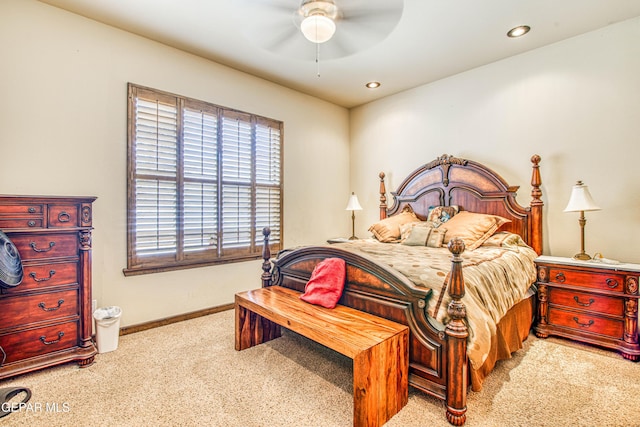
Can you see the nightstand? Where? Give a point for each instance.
(588, 301)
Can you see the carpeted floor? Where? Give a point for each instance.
(188, 374)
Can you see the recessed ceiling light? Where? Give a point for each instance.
(518, 31)
(373, 85)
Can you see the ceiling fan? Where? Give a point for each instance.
(297, 29)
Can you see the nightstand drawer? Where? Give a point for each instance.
(587, 323)
(608, 281)
(584, 301)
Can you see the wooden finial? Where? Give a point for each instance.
(383, 197)
(536, 206)
(266, 256)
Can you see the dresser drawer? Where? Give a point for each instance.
(21, 209)
(41, 277)
(7, 223)
(591, 302)
(35, 342)
(609, 281)
(16, 311)
(585, 322)
(46, 245)
(21, 216)
(63, 216)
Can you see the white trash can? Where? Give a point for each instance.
(107, 328)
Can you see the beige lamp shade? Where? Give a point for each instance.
(581, 199)
(353, 204)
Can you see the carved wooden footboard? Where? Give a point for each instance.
(437, 353)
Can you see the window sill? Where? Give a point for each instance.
(137, 271)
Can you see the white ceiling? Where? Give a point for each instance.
(433, 39)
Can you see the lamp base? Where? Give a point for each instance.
(353, 238)
(582, 256)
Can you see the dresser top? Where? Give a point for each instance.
(590, 263)
(11, 198)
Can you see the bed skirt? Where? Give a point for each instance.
(512, 330)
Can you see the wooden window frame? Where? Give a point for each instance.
(259, 175)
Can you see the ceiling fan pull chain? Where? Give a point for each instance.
(318, 58)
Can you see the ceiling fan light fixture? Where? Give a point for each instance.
(318, 28)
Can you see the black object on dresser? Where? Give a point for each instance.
(46, 319)
(591, 302)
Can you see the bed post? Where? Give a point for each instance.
(457, 334)
(383, 197)
(266, 256)
(536, 206)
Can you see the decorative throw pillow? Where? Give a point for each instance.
(504, 239)
(440, 214)
(473, 228)
(418, 236)
(436, 237)
(326, 283)
(405, 230)
(388, 229)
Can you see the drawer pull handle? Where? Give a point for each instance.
(612, 283)
(42, 279)
(560, 277)
(584, 325)
(45, 342)
(33, 246)
(64, 217)
(584, 304)
(32, 210)
(31, 223)
(42, 305)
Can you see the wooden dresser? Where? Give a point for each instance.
(591, 302)
(46, 319)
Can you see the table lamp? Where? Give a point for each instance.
(353, 205)
(581, 201)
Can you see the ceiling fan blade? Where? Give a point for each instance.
(274, 26)
(280, 40)
(281, 5)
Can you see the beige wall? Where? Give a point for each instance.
(575, 103)
(63, 82)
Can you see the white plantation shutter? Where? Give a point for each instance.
(237, 166)
(155, 182)
(268, 212)
(200, 157)
(268, 195)
(203, 183)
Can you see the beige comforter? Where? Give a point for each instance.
(496, 277)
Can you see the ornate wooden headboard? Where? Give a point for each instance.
(473, 187)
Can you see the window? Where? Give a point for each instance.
(203, 181)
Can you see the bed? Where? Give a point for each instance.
(440, 314)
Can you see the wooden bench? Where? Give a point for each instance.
(377, 346)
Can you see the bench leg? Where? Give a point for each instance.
(381, 382)
(252, 329)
